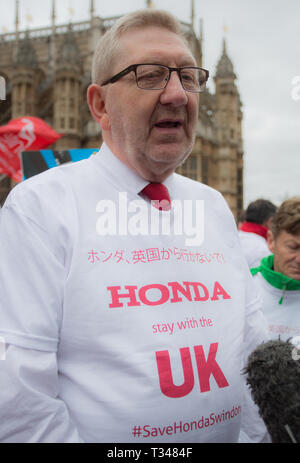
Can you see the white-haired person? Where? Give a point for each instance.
(116, 332)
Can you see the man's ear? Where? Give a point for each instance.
(268, 222)
(96, 102)
(270, 241)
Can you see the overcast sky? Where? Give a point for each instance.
(264, 45)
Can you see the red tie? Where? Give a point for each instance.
(158, 193)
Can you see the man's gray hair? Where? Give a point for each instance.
(108, 45)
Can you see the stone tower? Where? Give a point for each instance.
(67, 93)
(25, 80)
(228, 116)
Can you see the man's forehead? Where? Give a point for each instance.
(155, 43)
(286, 236)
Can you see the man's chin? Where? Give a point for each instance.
(172, 154)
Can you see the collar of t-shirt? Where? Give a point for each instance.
(124, 178)
(256, 228)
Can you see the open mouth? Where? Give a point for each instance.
(168, 124)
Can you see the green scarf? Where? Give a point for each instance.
(276, 279)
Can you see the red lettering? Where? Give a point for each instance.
(115, 296)
(195, 285)
(219, 291)
(167, 385)
(209, 367)
(200, 293)
(164, 294)
(176, 287)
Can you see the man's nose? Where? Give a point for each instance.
(297, 259)
(174, 93)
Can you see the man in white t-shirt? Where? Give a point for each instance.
(126, 320)
(253, 230)
(277, 278)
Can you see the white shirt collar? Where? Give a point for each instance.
(125, 178)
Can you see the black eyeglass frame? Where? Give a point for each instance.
(133, 67)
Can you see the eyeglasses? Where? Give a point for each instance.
(157, 76)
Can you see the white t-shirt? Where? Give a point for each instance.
(148, 335)
(254, 247)
(283, 319)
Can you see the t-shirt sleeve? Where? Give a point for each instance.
(256, 327)
(32, 275)
(256, 332)
(31, 409)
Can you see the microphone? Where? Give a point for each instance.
(273, 374)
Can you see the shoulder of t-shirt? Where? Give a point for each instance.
(262, 285)
(253, 237)
(214, 200)
(217, 213)
(198, 188)
(260, 282)
(47, 199)
(52, 184)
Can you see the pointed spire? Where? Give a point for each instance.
(201, 30)
(201, 37)
(53, 15)
(224, 47)
(92, 9)
(17, 19)
(53, 41)
(192, 13)
(225, 66)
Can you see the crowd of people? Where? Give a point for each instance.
(112, 349)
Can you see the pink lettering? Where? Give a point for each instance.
(163, 290)
(219, 291)
(115, 296)
(209, 367)
(167, 385)
(201, 293)
(176, 287)
(196, 286)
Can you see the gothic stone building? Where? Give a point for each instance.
(47, 73)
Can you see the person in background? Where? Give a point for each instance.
(112, 336)
(277, 278)
(253, 231)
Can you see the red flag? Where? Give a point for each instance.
(22, 134)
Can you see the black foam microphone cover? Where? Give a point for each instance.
(273, 374)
